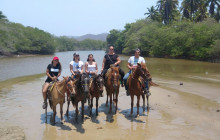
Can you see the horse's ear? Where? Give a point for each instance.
(139, 65)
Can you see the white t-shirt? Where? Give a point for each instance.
(91, 68)
(133, 61)
(76, 66)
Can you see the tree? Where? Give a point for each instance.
(153, 14)
(2, 16)
(189, 8)
(168, 10)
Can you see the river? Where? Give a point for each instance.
(187, 111)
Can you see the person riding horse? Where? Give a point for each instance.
(109, 59)
(132, 64)
(53, 71)
(76, 66)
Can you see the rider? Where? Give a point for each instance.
(76, 66)
(53, 72)
(111, 58)
(132, 64)
(91, 67)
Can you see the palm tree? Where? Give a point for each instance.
(167, 9)
(152, 13)
(190, 7)
(212, 5)
(2, 16)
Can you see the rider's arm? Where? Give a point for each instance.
(118, 61)
(103, 64)
(81, 69)
(129, 66)
(86, 67)
(96, 67)
(71, 69)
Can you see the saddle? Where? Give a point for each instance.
(140, 80)
(49, 90)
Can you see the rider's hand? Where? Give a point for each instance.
(101, 70)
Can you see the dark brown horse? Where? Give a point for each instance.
(112, 85)
(96, 90)
(57, 95)
(82, 90)
(135, 85)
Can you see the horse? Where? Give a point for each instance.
(96, 90)
(112, 85)
(82, 90)
(135, 85)
(57, 95)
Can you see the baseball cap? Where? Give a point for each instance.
(55, 58)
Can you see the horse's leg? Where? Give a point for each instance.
(61, 112)
(97, 104)
(54, 114)
(132, 103)
(110, 109)
(143, 102)
(91, 105)
(68, 104)
(138, 104)
(148, 107)
(82, 104)
(76, 111)
(106, 104)
(116, 102)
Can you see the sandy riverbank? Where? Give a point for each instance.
(174, 114)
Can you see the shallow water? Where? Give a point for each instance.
(189, 111)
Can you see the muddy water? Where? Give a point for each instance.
(188, 111)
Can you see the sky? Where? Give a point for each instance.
(75, 17)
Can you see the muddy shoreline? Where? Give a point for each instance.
(174, 114)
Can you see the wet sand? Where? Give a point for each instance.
(185, 112)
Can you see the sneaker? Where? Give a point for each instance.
(44, 105)
(127, 93)
(147, 92)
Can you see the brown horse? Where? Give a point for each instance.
(82, 90)
(112, 85)
(135, 86)
(57, 95)
(96, 90)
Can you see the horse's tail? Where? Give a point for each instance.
(152, 83)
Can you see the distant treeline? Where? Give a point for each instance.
(17, 39)
(191, 31)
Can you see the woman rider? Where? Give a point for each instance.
(76, 66)
(91, 67)
(111, 58)
(53, 72)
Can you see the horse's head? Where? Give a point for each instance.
(99, 81)
(85, 82)
(143, 71)
(115, 76)
(71, 85)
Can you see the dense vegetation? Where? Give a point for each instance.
(191, 31)
(17, 39)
